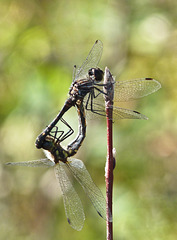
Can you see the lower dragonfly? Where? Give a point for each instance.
(87, 86)
(61, 160)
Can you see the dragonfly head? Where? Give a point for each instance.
(96, 74)
(48, 143)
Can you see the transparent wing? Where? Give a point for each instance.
(123, 113)
(91, 61)
(80, 172)
(118, 113)
(35, 163)
(72, 203)
(123, 91)
(130, 90)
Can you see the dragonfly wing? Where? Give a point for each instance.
(97, 107)
(91, 61)
(118, 113)
(80, 172)
(35, 163)
(130, 90)
(123, 113)
(72, 203)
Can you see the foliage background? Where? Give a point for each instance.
(40, 41)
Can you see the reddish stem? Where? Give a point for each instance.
(109, 176)
(109, 166)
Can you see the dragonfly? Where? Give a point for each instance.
(87, 87)
(64, 165)
(88, 84)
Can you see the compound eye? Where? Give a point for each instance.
(91, 71)
(98, 74)
(48, 144)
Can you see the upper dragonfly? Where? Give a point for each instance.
(61, 160)
(88, 84)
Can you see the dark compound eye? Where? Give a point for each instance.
(48, 145)
(97, 73)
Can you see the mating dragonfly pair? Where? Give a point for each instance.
(86, 93)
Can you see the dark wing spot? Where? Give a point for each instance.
(68, 220)
(148, 78)
(136, 112)
(100, 214)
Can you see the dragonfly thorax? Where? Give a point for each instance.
(81, 87)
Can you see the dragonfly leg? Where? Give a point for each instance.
(66, 135)
(91, 106)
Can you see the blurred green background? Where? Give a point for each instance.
(40, 41)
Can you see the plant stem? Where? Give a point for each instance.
(109, 90)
